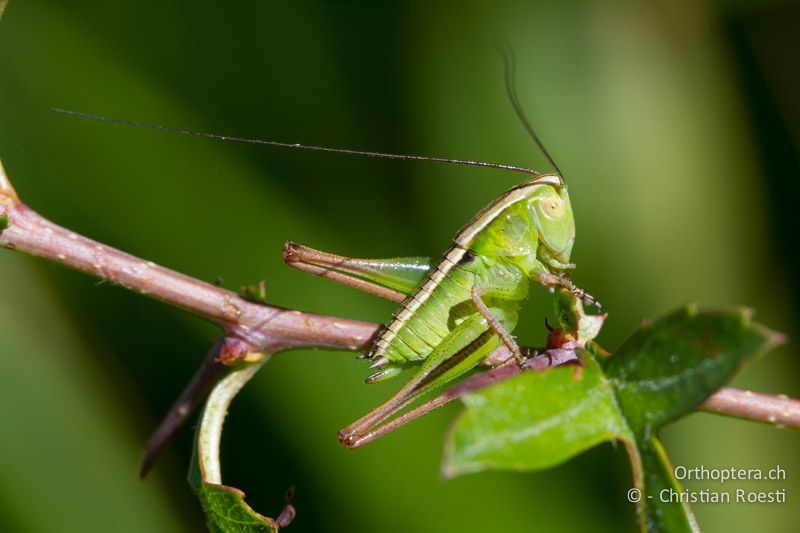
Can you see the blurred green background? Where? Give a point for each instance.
(675, 123)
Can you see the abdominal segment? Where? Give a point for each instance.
(426, 317)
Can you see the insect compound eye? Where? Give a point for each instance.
(553, 207)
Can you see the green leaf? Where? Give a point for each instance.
(3, 4)
(535, 420)
(226, 511)
(224, 506)
(668, 367)
(664, 370)
(658, 486)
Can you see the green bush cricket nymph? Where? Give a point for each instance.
(458, 311)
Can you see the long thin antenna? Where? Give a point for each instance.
(296, 146)
(509, 67)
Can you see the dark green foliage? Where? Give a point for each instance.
(664, 370)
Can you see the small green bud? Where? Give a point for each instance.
(256, 293)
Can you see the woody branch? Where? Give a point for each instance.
(250, 326)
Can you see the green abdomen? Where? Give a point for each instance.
(427, 316)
